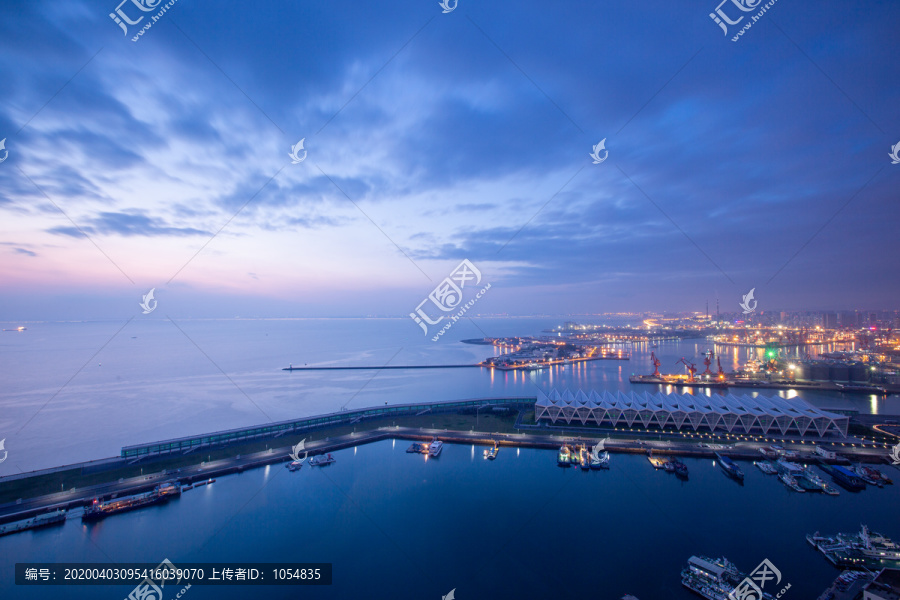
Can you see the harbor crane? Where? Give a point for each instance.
(691, 367)
(656, 364)
(721, 370)
(707, 360)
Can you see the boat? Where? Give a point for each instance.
(57, 517)
(713, 579)
(669, 466)
(100, 509)
(730, 467)
(321, 461)
(865, 549)
(584, 458)
(294, 465)
(417, 448)
(847, 478)
(564, 457)
(435, 447)
(491, 454)
(869, 475)
(681, 469)
(790, 482)
(766, 467)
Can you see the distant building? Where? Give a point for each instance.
(849, 319)
(885, 587)
(829, 321)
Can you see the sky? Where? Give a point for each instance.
(430, 137)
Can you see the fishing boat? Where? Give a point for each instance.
(491, 453)
(584, 458)
(681, 469)
(564, 457)
(321, 461)
(435, 448)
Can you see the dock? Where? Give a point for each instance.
(657, 462)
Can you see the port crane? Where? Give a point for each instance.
(707, 360)
(721, 370)
(691, 367)
(656, 364)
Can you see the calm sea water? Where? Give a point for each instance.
(397, 526)
(79, 391)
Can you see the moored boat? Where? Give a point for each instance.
(730, 467)
(321, 461)
(435, 448)
(790, 482)
(564, 456)
(57, 517)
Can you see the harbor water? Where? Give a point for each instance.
(398, 525)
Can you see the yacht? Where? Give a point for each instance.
(435, 447)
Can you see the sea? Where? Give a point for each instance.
(392, 524)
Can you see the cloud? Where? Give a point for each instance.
(127, 224)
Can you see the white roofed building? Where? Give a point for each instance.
(767, 415)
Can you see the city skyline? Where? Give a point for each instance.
(431, 138)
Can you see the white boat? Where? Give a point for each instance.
(435, 447)
(321, 461)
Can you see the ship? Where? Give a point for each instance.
(57, 517)
(865, 549)
(869, 475)
(766, 467)
(491, 454)
(713, 579)
(564, 457)
(321, 461)
(681, 469)
(435, 447)
(730, 467)
(846, 478)
(790, 482)
(101, 509)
